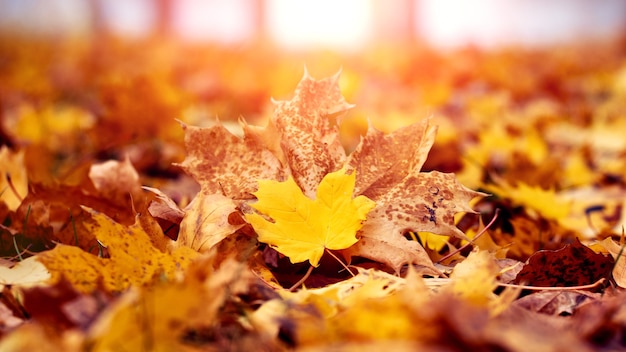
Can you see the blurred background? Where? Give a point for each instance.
(344, 24)
(523, 91)
(84, 80)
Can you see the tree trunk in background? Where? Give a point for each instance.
(163, 17)
(257, 7)
(98, 22)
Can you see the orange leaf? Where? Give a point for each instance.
(133, 258)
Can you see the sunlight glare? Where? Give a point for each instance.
(298, 24)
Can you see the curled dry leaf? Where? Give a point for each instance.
(163, 207)
(206, 222)
(115, 180)
(13, 178)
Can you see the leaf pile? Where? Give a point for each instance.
(300, 226)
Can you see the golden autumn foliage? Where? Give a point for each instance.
(302, 228)
(339, 213)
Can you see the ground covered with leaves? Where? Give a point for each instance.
(161, 196)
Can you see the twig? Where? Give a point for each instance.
(340, 262)
(73, 226)
(483, 231)
(301, 281)
(539, 288)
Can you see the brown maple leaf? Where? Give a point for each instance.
(388, 172)
(300, 141)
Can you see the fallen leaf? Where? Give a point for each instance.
(309, 142)
(301, 141)
(222, 163)
(161, 316)
(560, 303)
(26, 273)
(116, 180)
(421, 202)
(572, 265)
(207, 222)
(13, 171)
(163, 207)
(617, 252)
(474, 279)
(302, 228)
(133, 259)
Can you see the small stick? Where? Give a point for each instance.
(539, 288)
(340, 262)
(73, 226)
(483, 231)
(301, 281)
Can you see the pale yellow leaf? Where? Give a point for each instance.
(206, 222)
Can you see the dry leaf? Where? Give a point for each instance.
(161, 316)
(309, 142)
(163, 207)
(12, 169)
(224, 164)
(26, 273)
(116, 180)
(133, 259)
(207, 222)
(573, 265)
(617, 252)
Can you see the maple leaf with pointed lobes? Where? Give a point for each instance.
(134, 260)
(298, 141)
(301, 142)
(388, 172)
(302, 228)
(223, 163)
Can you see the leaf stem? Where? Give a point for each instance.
(73, 226)
(301, 281)
(340, 262)
(483, 231)
(17, 249)
(540, 288)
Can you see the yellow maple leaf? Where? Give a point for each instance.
(302, 228)
(157, 318)
(547, 203)
(133, 258)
